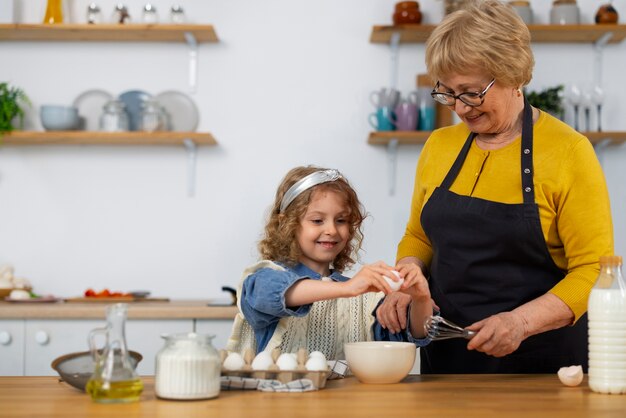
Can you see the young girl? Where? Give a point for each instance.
(296, 297)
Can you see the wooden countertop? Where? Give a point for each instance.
(441, 396)
(178, 309)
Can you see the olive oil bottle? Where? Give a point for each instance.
(114, 379)
(54, 12)
(112, 392)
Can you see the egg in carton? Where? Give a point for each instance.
(284, 367)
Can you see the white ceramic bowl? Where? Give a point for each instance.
(59, 118)
(380, 361)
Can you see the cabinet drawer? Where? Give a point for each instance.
(12, 347)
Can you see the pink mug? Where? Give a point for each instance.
(406, 117)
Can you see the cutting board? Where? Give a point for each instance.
(115, 299)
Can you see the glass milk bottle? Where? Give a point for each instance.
(607, 329)
(188, 367)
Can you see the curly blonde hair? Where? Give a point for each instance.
(485, 35)
(279, 242)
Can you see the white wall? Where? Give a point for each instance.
(287, 85)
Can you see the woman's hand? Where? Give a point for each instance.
(391, 314)
(498, 335)
(370, 279)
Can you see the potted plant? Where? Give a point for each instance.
(12, 101)
(549, 100)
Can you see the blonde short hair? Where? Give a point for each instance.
(487, 36)
(279, 242)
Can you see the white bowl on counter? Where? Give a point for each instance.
(380, 361)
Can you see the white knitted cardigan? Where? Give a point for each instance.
(328, 325)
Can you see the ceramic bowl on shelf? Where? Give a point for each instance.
(59, 117)
(380, 361)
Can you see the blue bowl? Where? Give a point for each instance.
(59, 118)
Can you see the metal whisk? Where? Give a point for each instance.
(438, 328)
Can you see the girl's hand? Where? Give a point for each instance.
(370, 279)
(415, 283)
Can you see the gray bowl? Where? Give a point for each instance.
(76, 368)
(59, 118)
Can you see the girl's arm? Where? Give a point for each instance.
(368, 279)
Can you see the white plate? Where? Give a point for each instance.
(181, 109)
(90, 104)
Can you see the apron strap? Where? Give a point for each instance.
(527, 154)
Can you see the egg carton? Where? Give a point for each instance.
(274, 373)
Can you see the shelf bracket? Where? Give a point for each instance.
(598, 47)
(193, 61)
(394, 43)
(392, 162)
(600, 147)
(192, 156)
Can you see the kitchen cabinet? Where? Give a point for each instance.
(12, 348)
(394, 35)
(34, 344)
(31, 337)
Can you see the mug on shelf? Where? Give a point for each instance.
(385, 97)
(383, 119)
(406, 116)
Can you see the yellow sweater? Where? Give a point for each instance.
(570, 191)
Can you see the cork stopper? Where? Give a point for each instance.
(611, 260)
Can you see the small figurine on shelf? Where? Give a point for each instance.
(407, 12)
(94, 15)
(120, 14)
(607, 14)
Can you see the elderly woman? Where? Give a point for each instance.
(510, 211)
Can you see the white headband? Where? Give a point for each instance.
(306, 183)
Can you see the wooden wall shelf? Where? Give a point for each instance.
(105, 138)
(420, 137)
(106, 32)
(539, 33)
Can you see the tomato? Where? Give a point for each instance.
(90, 293)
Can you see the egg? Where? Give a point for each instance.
(317, 354)
(286, 361)
(395, 286)
(316, 364)
(262, 361)
(571, 376)
(233, 362)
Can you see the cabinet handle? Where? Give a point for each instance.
(5, 338)
(42, 337)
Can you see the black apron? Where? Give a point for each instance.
(491, 257)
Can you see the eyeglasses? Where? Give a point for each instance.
(472, 99)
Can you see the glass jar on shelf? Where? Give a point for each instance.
(152, 117)
(114, 117)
